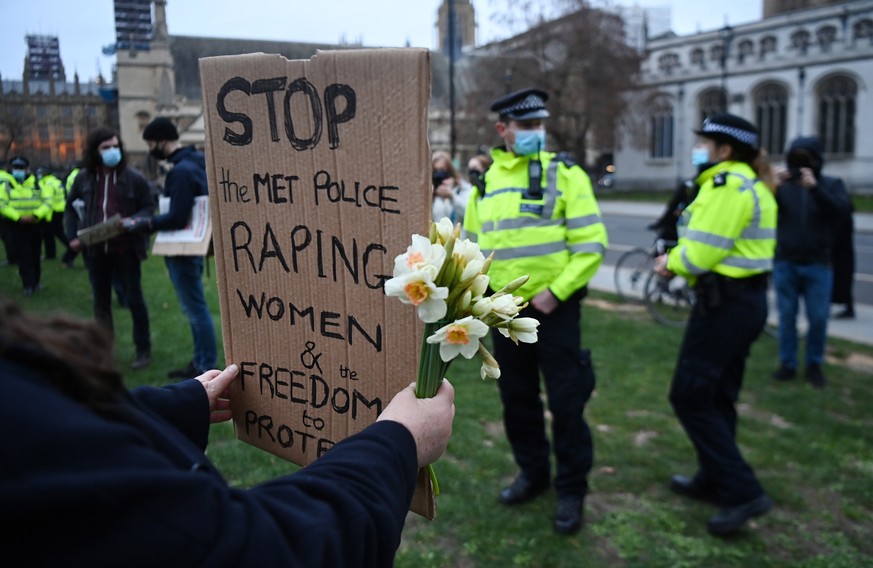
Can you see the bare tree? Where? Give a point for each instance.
(572, 50)
(15, 121)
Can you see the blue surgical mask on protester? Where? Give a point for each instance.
(111, 157)
(529, 142)
(699, 156)
(19, 175)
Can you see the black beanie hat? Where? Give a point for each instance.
(160, 129)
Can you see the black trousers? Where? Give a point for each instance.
(7, 227)
(26, 241)
(706, 386)
(52, 230)
(569, 381)
(102, 267)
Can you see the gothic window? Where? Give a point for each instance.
(668, 62)
(698, 58)
(836, 114)
(66, 111)
(745, 49)
(771, 114)
(715, 52)
(69, 133)
(42, 133)
(826, 36)
(863, 29)
(768, 45)
(661, 128)
(711, 101)
(800, 41)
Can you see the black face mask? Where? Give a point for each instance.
(797, 161)
(474, 176)
(157, 153)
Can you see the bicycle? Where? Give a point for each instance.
(634, 267)
(668, 299)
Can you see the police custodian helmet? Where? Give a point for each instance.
(730, 129)
(526, 104)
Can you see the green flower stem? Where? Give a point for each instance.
(431, 371)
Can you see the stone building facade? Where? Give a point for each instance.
(805, 71)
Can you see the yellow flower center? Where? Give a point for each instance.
(417, 292)
(414, 258)
(457, 335)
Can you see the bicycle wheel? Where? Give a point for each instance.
(630, 274)
(669, 300)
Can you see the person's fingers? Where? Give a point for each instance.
(224, 379)
(220, 416)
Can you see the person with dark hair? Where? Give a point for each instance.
(811, 205)
(104, 188)
(726, 243)
(185, 181)
(450, 191)
(536, 212)
(94, 475)
(27, 204)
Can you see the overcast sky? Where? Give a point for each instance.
(85, 27)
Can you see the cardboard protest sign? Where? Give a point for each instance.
(194, 239)
(319, 172)
(101, 232)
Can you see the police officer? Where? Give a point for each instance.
(54, 228)
(726, 250)
(537, 213)
(27, 204)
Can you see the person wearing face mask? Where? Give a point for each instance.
(27, 205)
(450, 191)
(535, 210)
(185, 181)
(683, 195)
(103, 188)
(725, 250)
(810, 207)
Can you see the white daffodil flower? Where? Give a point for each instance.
(420, 254)
(418, 288)
(444, 229)
(520, 329)
(460, 337)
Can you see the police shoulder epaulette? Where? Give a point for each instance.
(567, 159)
(720, 179)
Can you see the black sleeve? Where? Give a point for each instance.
(145, 203)
(180, 186)
(831, 195)
(71, 219)
(184, 405)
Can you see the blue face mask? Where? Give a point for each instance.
(19, 175)
(699, 156)
(529, 142)
(111, 157)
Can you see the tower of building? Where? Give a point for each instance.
(465, 26)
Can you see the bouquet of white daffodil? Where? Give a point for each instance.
(445, 278)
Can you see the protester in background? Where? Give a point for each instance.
(843, 258)
(726, 251)
(106, 187)
(54, 228)
(28, 205)
(185, 181)
(537, 213)
(93, 475)
(450, 191)
(810, 206)
(476, 168)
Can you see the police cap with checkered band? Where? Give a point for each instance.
(526, 104)
(730, 129)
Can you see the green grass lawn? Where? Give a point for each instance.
(813, 450)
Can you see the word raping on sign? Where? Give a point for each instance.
(267, 87)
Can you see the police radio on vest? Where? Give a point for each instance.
(335, 95)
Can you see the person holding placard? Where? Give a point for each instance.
(105, 189)
(94, 475)
(185, 181)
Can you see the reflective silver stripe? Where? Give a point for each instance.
(749, 263)
(504, 190)
(709, 239)
(551, 190)
(692, 268)
(584, 221)
(528, 251)
(597, 248)
(473, 237)
(749, 185)
(519, 223)
(758, 234)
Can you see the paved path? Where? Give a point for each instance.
(859, 329)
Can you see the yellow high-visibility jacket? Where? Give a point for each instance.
(58, 192)
(729, 228)
(557, 238)
(26, 198)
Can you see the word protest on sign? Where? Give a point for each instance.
(319, 172)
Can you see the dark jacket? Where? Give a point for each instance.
(807, 217)
(134, 488)
(184, 182)
(134, 200)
